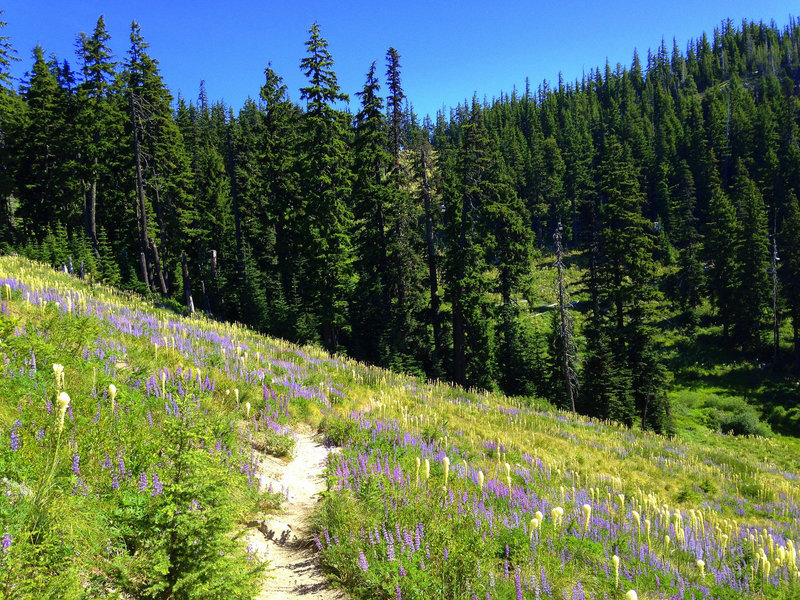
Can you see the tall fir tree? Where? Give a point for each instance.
(751, 308)
(325, 214)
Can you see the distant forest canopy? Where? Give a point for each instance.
(411, 244)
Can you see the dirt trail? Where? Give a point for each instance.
(284, 539)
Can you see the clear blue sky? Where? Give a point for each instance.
(449, 50)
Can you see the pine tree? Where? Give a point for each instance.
(325, 214)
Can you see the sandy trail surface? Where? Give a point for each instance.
(284, 539)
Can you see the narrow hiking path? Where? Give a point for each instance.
(284, 538)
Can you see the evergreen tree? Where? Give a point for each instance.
(166, 217)
(97, 116)
(723, 243)
(626, 270)
(271, 207)
(45, 180)
(371, 198)
(10, 112)
(325, 214)
(751, 307)
(790, 269)
(394, 103)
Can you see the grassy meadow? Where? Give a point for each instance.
(136, 485)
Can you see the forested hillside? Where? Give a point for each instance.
(662, 196)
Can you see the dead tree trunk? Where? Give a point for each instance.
(187, 284)
(433, 282)
(566, 342)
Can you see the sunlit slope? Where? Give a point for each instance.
(438, 492)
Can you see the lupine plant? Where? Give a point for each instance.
(437, 492)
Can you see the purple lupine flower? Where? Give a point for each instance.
(15, 437)
(76, 464)
(402, 571)
(390, 550)
(399, 595)
(518, 584)
(317, 542)
(143, 483)
(446, 553)
(5, 543)
(158, 487)
(114, 481)
(362, 561)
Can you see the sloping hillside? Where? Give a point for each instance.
(134, 490)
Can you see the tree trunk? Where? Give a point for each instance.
(565, 330)
(141, 208)
(433, 282)
(187, 284)
(158, 272)
(236, 217)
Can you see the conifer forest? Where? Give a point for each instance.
(553, 241)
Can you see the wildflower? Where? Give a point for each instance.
(557, 513)
(158, 487)
(481, 479)
(587, 512)
(631, 595)
(534, 525)
(5, 543)
(58, 373)
(76, 464)
(246, 409)
(427, 469)
(15, 437)
(112, 392)
(63, 403)
(446, 470)
(143, 483)
(615, 560)
(701, 564)
(362, 561)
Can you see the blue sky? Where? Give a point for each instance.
(448, 50)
